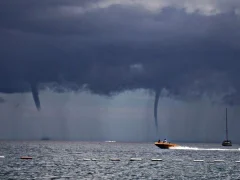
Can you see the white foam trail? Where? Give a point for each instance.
(203, 149)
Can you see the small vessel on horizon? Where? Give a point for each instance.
(227, 142)
(110, 141)
(164, 144)
(45, 139)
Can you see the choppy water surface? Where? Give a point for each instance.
(70, 160)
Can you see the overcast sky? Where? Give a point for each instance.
(93, 68)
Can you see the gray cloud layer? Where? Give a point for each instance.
(107, 46)
(2, 100)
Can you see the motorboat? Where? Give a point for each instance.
(165, 144)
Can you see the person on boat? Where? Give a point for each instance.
(165, 140)
(159, 141)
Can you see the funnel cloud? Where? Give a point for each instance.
(107, 47)
(35, 95)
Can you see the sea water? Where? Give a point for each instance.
(113, 160)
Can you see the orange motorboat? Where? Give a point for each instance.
(165, 145)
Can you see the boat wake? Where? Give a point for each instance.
(202, 149)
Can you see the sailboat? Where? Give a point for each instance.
(227, 142)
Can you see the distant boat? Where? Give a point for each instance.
(227, 142)
(110, 141)
(165, 145)
(45, 139)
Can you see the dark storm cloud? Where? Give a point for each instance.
(112, 46)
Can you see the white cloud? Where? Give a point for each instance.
(204, 7)
(138, 68)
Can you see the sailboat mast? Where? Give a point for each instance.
(226, 126)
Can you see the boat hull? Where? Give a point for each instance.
(163, 145)
(227, 143)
